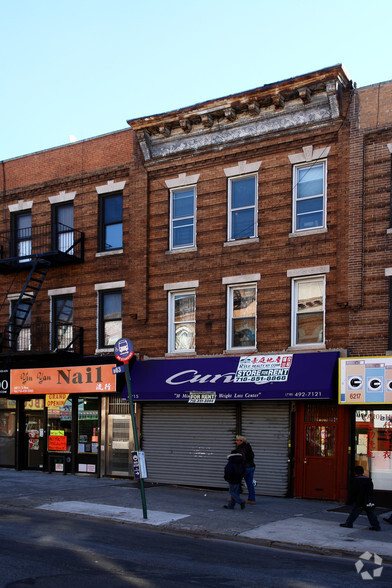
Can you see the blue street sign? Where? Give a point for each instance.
(119, 369)
(123, 349)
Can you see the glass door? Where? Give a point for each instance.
(34, 422)
(120, 445)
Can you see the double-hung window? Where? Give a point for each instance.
(22, 235)
(242, 207)
(182, 320)
(20, 338)
(62, 322)
(110, 317)
(63, 224)
(308, 312)
(111, 222)
(241, 316)
(309, 196)
(182, 217)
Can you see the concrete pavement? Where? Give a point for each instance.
(307, 525)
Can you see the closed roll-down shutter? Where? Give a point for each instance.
(266, 426)
(188, 443)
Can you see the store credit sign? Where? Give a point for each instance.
(65, 380)
(365, 380)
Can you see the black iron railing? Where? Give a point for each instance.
(23, 245)
(42, 338)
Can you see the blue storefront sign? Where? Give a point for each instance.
(301, 376)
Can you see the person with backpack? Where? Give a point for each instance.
(361, 497)
(233, 474)
(248, 456)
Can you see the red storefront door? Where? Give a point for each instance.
(319, 455)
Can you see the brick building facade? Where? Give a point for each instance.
(254, 225)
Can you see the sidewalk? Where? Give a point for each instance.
(307, 525)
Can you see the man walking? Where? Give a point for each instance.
(361, 497)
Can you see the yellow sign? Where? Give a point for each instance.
(55, 400)
(61, 433)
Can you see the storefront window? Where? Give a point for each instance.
(88, 423)
(373, 445)
(7, 431)
(60, 425)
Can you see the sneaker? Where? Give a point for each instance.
(227, 506)
(346, 525)
(250, 501)
(374, 528)
(389, 520)
(242, 505)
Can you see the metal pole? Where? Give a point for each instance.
(141, 482)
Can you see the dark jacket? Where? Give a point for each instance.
(247, 453)
(234, 469)
(361, 491)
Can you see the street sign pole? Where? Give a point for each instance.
(123, 351)
(131, 407)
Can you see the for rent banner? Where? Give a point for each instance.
(68, 380)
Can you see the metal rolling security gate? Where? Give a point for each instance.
(188, 444)
(266, 425)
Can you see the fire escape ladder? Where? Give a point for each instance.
(24, 303)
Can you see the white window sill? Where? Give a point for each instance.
(307, 347)
(308, 232)
(181, 250)
(105, 253)
(109, 350)
(241, 242)
(186, 352)
(240, 351)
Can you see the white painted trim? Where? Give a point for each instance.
(241, 279)
(308, 271)
(388, 271)
(21, 205)
(242, 168)
(62, 291)
(111, 186)
(110, 252)
(306, 232)
(389, 145)
(181, 285)
(11, 297)
(182, 180)
(110, 285)
(62, 197)
(309, 154)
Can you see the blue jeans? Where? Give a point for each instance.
(248, 477)
(356, 511)
(234, 490)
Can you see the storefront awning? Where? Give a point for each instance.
(310, 376)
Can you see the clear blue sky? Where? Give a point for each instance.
(81, 68)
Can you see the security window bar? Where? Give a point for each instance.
(241, 331)
(111, 222)
(182, 217)
(242, 208)
(309, 196)
(182, 321)
(110, 318)
(309, 311)
(20, 336)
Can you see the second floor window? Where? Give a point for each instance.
(182, 321)
(242, 221)
(111, 222)
(110, 318)
(308, 311)
(309, 196)
(21, 328)
(241, 316)
(62, 322)
(182, 217)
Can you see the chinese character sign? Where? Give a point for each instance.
(263, 368)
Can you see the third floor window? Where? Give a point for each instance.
(242, 219)
(182, 217)
(111, 222)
